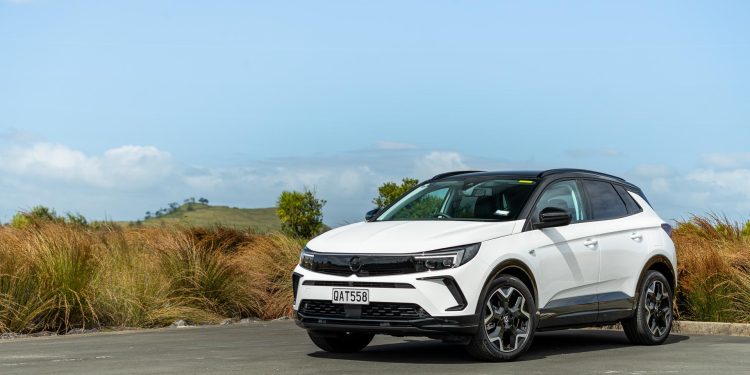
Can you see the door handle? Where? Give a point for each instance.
(590, 243)
(635, 236)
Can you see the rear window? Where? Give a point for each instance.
(630, 203)
(605, 202)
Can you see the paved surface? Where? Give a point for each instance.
(281, 347)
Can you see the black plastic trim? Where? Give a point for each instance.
(671, 277)
(586, 310)
(433, 326)
(359, 284)
(455, 290)
(295, 284)
(551, 172)
(450, 174)
(503, 266)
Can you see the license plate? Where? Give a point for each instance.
(351, 296)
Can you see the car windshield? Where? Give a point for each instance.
(469, 199)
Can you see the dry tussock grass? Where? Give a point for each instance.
(56, 276)
(713, 259)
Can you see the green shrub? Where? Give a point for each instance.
(300, 213)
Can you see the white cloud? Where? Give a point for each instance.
(438, 162)
(736, 181)
(660, 185)
(122, 167)
(722, 186)
(732, 160)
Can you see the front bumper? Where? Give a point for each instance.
(433, 304)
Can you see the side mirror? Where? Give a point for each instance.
(370, 214)
(552, 217)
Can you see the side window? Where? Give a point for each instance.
(565, 195)
(630, 203)
(604, 200)
(427, 205)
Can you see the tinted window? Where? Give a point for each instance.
(426, 205)
(630, 203)
(564, 195)
(469, 199)
(605, 202)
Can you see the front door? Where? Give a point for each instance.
(567, 259)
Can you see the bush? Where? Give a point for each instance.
(41, 215)
(300, 213)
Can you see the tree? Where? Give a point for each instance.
(300, 213)
(203, 201)
(148, 215)
(391, 191)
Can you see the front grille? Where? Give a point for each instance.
(322, 308)
(393, 311)
(360, 284)
(371, 265)
(373, 311)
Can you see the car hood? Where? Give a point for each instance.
(383, 237)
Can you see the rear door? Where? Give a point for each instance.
(621, 244)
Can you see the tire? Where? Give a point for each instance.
(340, 342)
(653, 317)
(507, 322)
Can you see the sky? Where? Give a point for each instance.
(115, 108)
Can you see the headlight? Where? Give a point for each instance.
(447, 258)
(306, 258)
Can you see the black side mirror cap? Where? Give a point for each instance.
(371, 214)
(552, 217)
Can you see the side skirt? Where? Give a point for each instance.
(586, 310)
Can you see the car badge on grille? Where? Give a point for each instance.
(355, 265)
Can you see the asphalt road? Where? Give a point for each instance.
(281, 347)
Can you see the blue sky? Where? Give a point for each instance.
(115, 108)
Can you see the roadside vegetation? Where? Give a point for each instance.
(713, 260)
(56, 276)
(62, 272)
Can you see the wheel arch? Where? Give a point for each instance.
(663, 265)
(512, 267)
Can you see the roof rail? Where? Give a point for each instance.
(572, 170)
(449, 174)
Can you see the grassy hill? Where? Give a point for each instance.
(200, 215)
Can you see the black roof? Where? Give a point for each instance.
(527, 174)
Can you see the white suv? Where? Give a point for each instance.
(489, 258)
